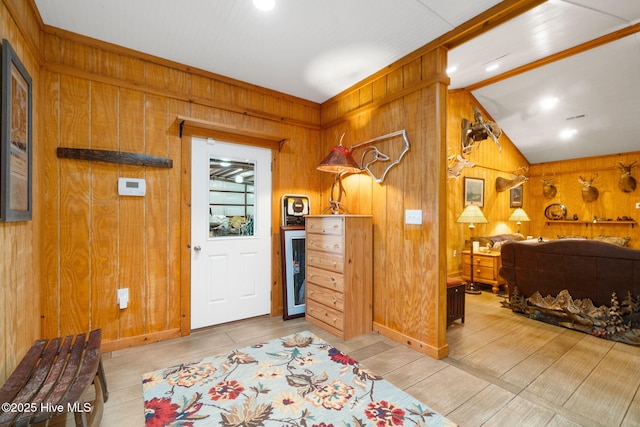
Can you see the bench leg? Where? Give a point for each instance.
(103, 381)
(95, 416)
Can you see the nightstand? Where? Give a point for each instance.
(486, 266)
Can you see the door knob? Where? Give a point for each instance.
(197, 248)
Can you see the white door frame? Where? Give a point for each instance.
(229, 269)
(188, 129)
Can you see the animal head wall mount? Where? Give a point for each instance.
(589, 192)
(473, 133)
(548, 189)
(517, 179)
(627, 183)
(455, 164)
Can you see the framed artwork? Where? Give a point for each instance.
(474, 191)
(15, 138)
(515, 197)
(292, 242)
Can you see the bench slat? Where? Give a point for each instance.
(51, 380)
(70, 371)
(56, 375)
(87, 373)
(31, 378)
(21, 374)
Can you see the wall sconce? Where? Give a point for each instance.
(340, 161)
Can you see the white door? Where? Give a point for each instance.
(230, 232)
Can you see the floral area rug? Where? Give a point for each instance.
(298, 380)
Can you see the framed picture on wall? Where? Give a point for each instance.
(515, 197)
(292, 242)
(473, 191)
(15, 138)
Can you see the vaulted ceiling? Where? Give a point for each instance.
(316, 49)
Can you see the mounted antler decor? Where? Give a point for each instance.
(548, 189)
(589, 192)
(627, 183)
(517, 179)
(478, 131)
(456, 163)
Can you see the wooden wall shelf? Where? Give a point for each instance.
(587, 223)
(110, 156)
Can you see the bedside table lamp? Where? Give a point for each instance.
(519, 215)
(472, 215)
(339, 161)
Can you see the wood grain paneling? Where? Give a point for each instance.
(408, 271)
(104, 210)
(612, 202)
(491, 163)
(20, 264)
(109, 98)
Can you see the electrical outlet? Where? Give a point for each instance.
(455, 253)
(123, 297)
(638, 205)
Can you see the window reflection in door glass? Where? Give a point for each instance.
(231, 198)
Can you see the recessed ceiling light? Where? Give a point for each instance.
(452, 69)
(568, 133)
(492, 67)
(264, 4)
(549, 102)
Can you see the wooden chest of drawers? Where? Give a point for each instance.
(339, 273)
(485, 268)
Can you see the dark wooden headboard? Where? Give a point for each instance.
(586, 268)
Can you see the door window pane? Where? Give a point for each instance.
(231, 198)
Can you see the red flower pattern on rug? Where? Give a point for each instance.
(295, 381)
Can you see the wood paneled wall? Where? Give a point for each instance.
(409, 270)
(490, 163)
(611, 203)
(103, 97)
(20, 260)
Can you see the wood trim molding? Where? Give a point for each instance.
(230, 133)
(139, 340)
(424, 348)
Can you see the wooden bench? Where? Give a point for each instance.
(51, 380)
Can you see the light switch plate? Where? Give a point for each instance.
(413, 217)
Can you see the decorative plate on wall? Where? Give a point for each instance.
(555, 211)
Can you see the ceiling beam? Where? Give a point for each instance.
(600, 41)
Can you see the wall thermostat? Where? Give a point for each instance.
(132, 187)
